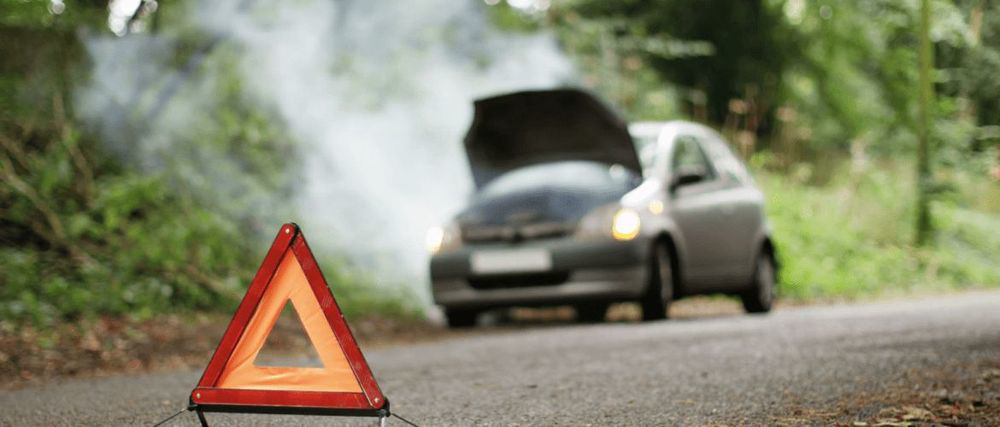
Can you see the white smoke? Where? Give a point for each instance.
(377, 95)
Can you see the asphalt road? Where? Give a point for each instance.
(732, 369)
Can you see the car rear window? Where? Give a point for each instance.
(570, 175)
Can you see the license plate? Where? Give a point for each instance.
(511, 261)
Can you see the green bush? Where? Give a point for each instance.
(853, 236)
(83, 237)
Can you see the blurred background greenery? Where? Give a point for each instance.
(820, 97)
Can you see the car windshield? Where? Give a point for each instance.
(569, 175)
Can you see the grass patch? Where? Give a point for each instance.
(853, 236)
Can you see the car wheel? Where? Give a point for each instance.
(591, 312)
(660, 289)
(760, 296)
(461, 318)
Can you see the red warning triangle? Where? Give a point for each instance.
(344, 385)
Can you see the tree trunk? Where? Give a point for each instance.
(924, 226)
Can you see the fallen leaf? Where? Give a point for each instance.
(913, 413)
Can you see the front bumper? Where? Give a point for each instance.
(582, 270)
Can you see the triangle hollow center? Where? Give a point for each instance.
(289, 285)
(288, 345)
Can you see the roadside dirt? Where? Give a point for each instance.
(115, 346)
(951, 395)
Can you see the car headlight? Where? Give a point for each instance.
(434, 239)
(610, 221)
(442, 238)
(625, 224)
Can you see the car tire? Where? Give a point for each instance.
(660, 289)
(591, 312)
(760, 296)
(461, 318)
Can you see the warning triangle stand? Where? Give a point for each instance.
(343, 385)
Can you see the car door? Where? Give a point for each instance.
(742, 204)
(694, 207)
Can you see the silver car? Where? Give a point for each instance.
(573, 207)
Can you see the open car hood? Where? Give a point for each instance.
(518, 129)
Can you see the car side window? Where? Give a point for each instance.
(689, 154)
(726, 162)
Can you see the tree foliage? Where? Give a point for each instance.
(847, 70)
(719, 50)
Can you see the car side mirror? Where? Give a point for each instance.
(687, 175)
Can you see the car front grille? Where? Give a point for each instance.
(502, 281)
(514, 233)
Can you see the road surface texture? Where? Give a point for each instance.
(757, 370)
